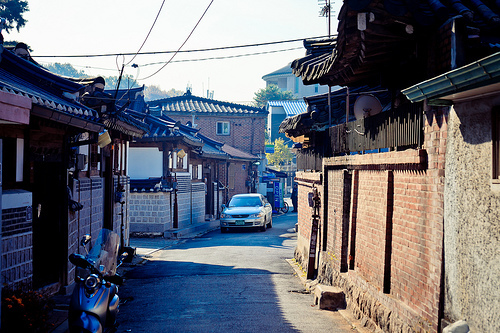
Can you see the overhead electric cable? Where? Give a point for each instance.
(193, 60)
(147, 36)
(180, 47)
(179, 51)
(225, 57)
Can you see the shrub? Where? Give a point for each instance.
(25, 311)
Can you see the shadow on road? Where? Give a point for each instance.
(192, 297)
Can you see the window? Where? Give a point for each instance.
(223, 128)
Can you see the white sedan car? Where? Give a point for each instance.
(250, 210)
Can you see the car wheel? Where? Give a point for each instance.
(270, 224)
(263, 228)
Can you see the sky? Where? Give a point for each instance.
(91, 27)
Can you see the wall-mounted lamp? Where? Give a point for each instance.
(104, 139)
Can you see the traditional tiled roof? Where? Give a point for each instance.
(291, 108)
(188, 104)
(379, 39)
(165, 128)
(127, 100)
(133, 98)
(238, 154)
(53, 94)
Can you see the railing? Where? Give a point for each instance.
(392, 130)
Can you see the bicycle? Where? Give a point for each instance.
(284, 209)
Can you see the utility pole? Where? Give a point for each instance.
(326, 11)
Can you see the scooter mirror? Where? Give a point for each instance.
(85, 240)
(79, 261)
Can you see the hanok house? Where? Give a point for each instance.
(239, 126)
(57, 183)
(178, 191)
(407, 199)
(36, 158)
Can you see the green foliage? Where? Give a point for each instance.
(271, 93)
(154, 92)
(12, 11)
(65, 70)
(127, 82)
(150, 92)
(282, 154)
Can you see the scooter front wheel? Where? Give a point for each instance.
(85, 323)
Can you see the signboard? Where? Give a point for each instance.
(269, 149)
(277, 195)
(314, 233)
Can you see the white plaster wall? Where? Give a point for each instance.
(472, 219)
(144, 163)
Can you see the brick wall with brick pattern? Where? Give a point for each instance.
(247, 132)
(392, 241)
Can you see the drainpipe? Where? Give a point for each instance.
(347, 106)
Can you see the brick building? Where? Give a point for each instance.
(399, 188)
(176, 177)
(239, 126)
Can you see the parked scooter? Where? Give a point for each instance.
(94, 303)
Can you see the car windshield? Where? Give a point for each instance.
(245, 202)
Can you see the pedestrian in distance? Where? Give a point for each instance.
(294, 197)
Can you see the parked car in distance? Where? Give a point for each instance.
(249, 210)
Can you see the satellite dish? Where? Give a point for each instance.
(366, 105)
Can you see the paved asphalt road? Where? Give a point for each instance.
(232, 282)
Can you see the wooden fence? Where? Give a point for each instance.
(396, 129)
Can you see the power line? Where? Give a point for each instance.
(180, 51)
(180, 47)
(194, 60)
(147, 36)
(226, 57)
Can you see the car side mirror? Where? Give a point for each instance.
(223, 206)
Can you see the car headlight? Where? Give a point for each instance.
(256, 215)
(225, 216)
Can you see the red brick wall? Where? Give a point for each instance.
(371, 227)
(247, 132)
(394, 233)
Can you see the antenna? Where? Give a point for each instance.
(366, 105)
(325, 11)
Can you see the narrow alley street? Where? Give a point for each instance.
(234, 282)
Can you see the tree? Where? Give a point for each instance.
(12, 11)
(282, 154)
(126, 82)
(65, 70)
(154, 92)
(271, 93)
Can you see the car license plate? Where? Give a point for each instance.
(239, 222)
